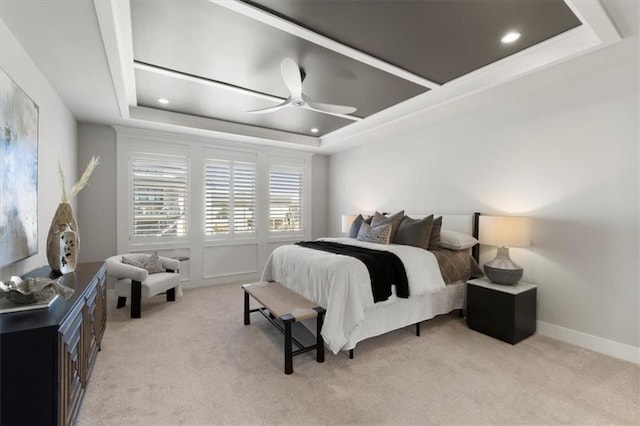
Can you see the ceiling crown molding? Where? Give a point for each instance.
(114, 18)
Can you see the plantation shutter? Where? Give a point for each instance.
(286, 200)
(160, 189)
(230, 198)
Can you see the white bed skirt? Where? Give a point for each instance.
(382, 318)
(399, 313)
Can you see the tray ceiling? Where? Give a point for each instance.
(219, 60)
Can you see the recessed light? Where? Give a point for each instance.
(315, 130)
(510, 37)
(163, 101)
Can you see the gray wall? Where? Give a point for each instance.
(559, 145)
(56, 140)
(97, 202)
(320, 204)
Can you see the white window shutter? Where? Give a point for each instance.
(230, 198)
(286, 187)
(160, 195)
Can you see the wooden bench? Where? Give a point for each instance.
(280, 303)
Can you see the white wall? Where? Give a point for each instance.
(56, 139)
(559, 145)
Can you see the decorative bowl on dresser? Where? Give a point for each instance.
(46, 355)
(506, 312)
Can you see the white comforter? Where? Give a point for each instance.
(342, 285)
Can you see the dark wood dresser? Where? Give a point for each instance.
(46, 355)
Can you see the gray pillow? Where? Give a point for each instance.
(394, 220)
(434, 239)
(414, 232)
(380, 234)
(128, 261)
(355, 226)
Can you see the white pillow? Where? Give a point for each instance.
(453, 240)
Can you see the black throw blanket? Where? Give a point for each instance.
(385, 268)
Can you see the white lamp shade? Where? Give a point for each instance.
(347, 220)
(506, 231)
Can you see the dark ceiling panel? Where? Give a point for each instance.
(188, 97)
(437, 39)
(204, 39)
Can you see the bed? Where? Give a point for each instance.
(342, 285)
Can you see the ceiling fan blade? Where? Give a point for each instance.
(271, 108)
(331, 108)
(292, 77)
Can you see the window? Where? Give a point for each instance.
(286, 200)
(230, 198)
(159, 189)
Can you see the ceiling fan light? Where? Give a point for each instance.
(510, 37)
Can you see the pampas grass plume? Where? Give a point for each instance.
(84, 180)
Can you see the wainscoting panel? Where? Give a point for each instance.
(229, 260)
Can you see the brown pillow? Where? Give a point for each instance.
(414, 232)
(434, 239)
(394, 220)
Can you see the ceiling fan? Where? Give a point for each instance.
(293, 75)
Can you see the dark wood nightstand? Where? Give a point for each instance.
(505, 312)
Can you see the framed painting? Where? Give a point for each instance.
(18, 173)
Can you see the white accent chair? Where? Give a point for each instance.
(134, 282)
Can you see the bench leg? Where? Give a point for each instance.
(171, 295)
(136, 298)
(247, 321)
(319, 339)
(288, 350)
(417, 329)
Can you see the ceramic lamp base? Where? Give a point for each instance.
(503, 270)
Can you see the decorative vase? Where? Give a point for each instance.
(63, 241)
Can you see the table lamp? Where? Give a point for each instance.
(347, 220)
(504, 232)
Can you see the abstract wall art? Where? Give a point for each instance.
(18, 173)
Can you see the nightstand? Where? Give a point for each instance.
(505, 312)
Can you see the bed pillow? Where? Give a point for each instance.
(153, 264)
(414, 232)
(394, 220)
(453, 240)
(355, 225)
(380, 234)
(434, 238)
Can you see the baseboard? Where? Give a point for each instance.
(588, 341)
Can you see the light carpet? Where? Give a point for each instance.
(193, 362)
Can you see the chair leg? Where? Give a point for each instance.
(136, 298)
(171, 295)
(122, 301)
